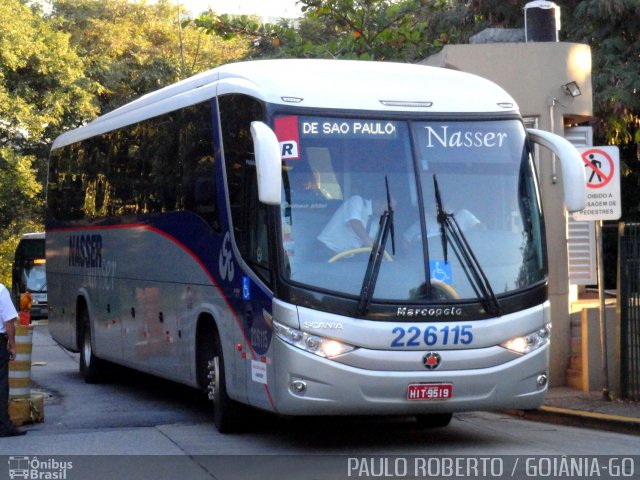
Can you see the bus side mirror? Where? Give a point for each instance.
(268, 163)
(573, 178)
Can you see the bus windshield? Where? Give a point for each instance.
(29, 265)
(337, 171)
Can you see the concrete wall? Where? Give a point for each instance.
(533, 73)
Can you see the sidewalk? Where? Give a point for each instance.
(568, 406)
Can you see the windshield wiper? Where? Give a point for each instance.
(450, 232)
(377, 252)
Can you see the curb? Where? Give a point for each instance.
(581, 418)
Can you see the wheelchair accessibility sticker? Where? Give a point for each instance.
(440, 271)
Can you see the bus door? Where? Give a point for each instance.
(257, 309)
(250, 232)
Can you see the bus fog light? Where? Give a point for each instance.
(323, 347)
(298, 386)
(528, 343)
(542, 380)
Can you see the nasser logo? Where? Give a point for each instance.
(431, 360)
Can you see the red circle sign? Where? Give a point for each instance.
(595, 159)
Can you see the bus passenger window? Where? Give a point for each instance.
(205, 201)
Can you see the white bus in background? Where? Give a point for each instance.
(29, 273)
(182, 240)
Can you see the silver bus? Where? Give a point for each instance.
(188, 236)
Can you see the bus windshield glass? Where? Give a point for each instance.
(342, 174)
(35, 277)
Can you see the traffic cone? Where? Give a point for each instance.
(24, 407)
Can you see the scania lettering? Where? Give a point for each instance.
(329, 326)
(182, 240)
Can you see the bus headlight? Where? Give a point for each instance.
(315, 344)
(529, 343)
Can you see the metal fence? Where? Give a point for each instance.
(629, 298)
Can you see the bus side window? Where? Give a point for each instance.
(248, 215)
(205, 200)
(195, 154)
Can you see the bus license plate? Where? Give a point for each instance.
(436, 391)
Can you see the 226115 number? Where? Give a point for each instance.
(416, 337)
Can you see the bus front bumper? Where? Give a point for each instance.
(307, 384)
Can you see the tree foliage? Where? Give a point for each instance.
(61, 69)
(616, 64)
(43, 91)
(132, 48)
(42, 84)
(400, 30)
(611, 28)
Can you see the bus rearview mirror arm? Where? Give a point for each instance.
(268, 163)
(573, 178)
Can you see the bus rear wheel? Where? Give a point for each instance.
(92, 369)
(226, 415)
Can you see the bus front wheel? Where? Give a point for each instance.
(225, 410)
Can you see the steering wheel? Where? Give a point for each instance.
(353, 251)
(441, 291)
(444, 289)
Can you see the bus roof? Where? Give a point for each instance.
(335, 84)
(33, 236)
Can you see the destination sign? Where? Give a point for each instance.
(348, 128)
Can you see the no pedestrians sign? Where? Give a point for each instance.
(602, 173)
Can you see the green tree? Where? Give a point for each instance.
(404, 30)
(43, 91)
(132, 48)
(262, 40)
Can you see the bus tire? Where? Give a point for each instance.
(434, 420)
(92, 369)
(226, 412)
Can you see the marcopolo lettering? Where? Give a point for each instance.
(428, 312)
(85, 251)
